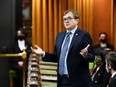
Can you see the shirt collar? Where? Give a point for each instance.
(113, 74)
(73, 30)
(21, 40)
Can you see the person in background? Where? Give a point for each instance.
(100, 77)
(103, 44)
(111, 67)
(17, 63)
(73, 51)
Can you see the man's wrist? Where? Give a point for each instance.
(43, 55)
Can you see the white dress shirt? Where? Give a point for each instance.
(21, 44)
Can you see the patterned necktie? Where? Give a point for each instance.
(64, 50)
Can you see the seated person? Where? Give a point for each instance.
(17, 63)
(100, 77)
(103, 44)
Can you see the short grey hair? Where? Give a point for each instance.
(74, 12)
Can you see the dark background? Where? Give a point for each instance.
(10, 20)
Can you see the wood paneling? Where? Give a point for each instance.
(114, 24)
(102, 19)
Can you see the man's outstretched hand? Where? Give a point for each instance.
(37, 50)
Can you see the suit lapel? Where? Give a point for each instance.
(74, 37)
(113, 78)
(60, 40)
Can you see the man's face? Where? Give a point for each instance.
(69, 21)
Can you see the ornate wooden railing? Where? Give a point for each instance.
(33, 74)
(38, 71)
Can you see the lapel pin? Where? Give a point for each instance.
(76, 33)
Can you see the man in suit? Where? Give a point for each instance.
(74, 70)
(17, 63)
(111, 67)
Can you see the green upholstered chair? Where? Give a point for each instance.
(12, 76)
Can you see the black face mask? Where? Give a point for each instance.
(103, 40)
(21, 37)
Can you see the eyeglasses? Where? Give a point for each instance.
(67, 19)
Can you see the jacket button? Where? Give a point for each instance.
(95, 81)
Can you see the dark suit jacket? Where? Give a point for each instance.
(78, 66)
(14, 62)
(113, 82)
(16, 49)
(101, 78)
(97, 46)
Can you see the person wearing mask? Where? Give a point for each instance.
(100, 77)
(103, 44)
(73, 50)
(111, 67)
(17, 63)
